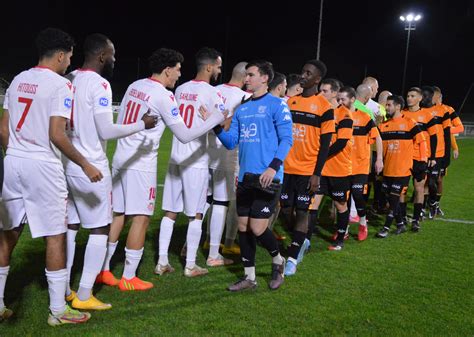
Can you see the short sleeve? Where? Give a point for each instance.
(61, 101)
(328, 125)
(166, 107)
(102, 97)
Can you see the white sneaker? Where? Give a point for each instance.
(218, 261)
(160, 270)
(195, 271)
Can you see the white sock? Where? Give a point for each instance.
(71, 251)
(217, 221)
(93, 261)
(166, 230)
(277, 259)
(353, 212)
(192, 239)
(363, 220)
(57, 288)
(208, 222)
(250, 273)
(231, 224)
(3, 281)
(111, 247)
(132, 259)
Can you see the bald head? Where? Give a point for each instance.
(238, 73)
(363, 93)
(383, 97)
(373, 84)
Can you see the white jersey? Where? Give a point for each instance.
(191, 96)
(92, 96)
(220, 157)
(140, 150)
(33, 97)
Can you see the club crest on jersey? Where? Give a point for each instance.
(262, 109)
(221, 107)
(67, 102)
(175, 112)
(103, 101)
(313, 107)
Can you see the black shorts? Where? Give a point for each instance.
(395, 185)
(255, 203)
(294, 191)
(443, 166)
(335, 187)
(435, 171)
(359, 183)
(418, 170)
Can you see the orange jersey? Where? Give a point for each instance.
(339, 165)
(437, 113)
(312, 117)
(425, 121)
(398, 137)
(364, 133)
(456, 124)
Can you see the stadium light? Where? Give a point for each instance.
(410, 24)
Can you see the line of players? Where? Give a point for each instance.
(331, 155)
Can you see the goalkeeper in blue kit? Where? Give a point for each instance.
(262, 128)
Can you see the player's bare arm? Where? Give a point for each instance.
(57, 135)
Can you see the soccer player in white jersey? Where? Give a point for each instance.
(37, 106)
(91, 125)
(135, 162)
(186, 181)
(224, 171)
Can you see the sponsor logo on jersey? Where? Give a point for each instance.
(357, 186)
(105, 85)
(248, 132)
(338, 194)
(67, 102)
(69, 85)
(262, 109)
(221, 107)
(287, 117)
(103, 101)
(175, 112)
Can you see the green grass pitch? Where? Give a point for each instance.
(412, 285)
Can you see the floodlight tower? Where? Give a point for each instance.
(410, 24)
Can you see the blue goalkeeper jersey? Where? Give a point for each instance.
(262, 128)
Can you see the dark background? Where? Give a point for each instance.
(358, 38)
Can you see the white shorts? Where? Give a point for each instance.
(185, 189)
(35, 191)
(89, 204)
(133, 192)
(222, 184)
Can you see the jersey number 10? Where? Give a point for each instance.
(131, 115)
(187, 113)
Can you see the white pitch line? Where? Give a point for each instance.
(455, 220)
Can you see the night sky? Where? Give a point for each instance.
(358, 38)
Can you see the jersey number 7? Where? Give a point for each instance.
(28, 102)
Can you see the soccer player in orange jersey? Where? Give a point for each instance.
(425, 121)
(451, 125)
(365, 133)
(399, 134)
(313, 124)
(335, 179)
